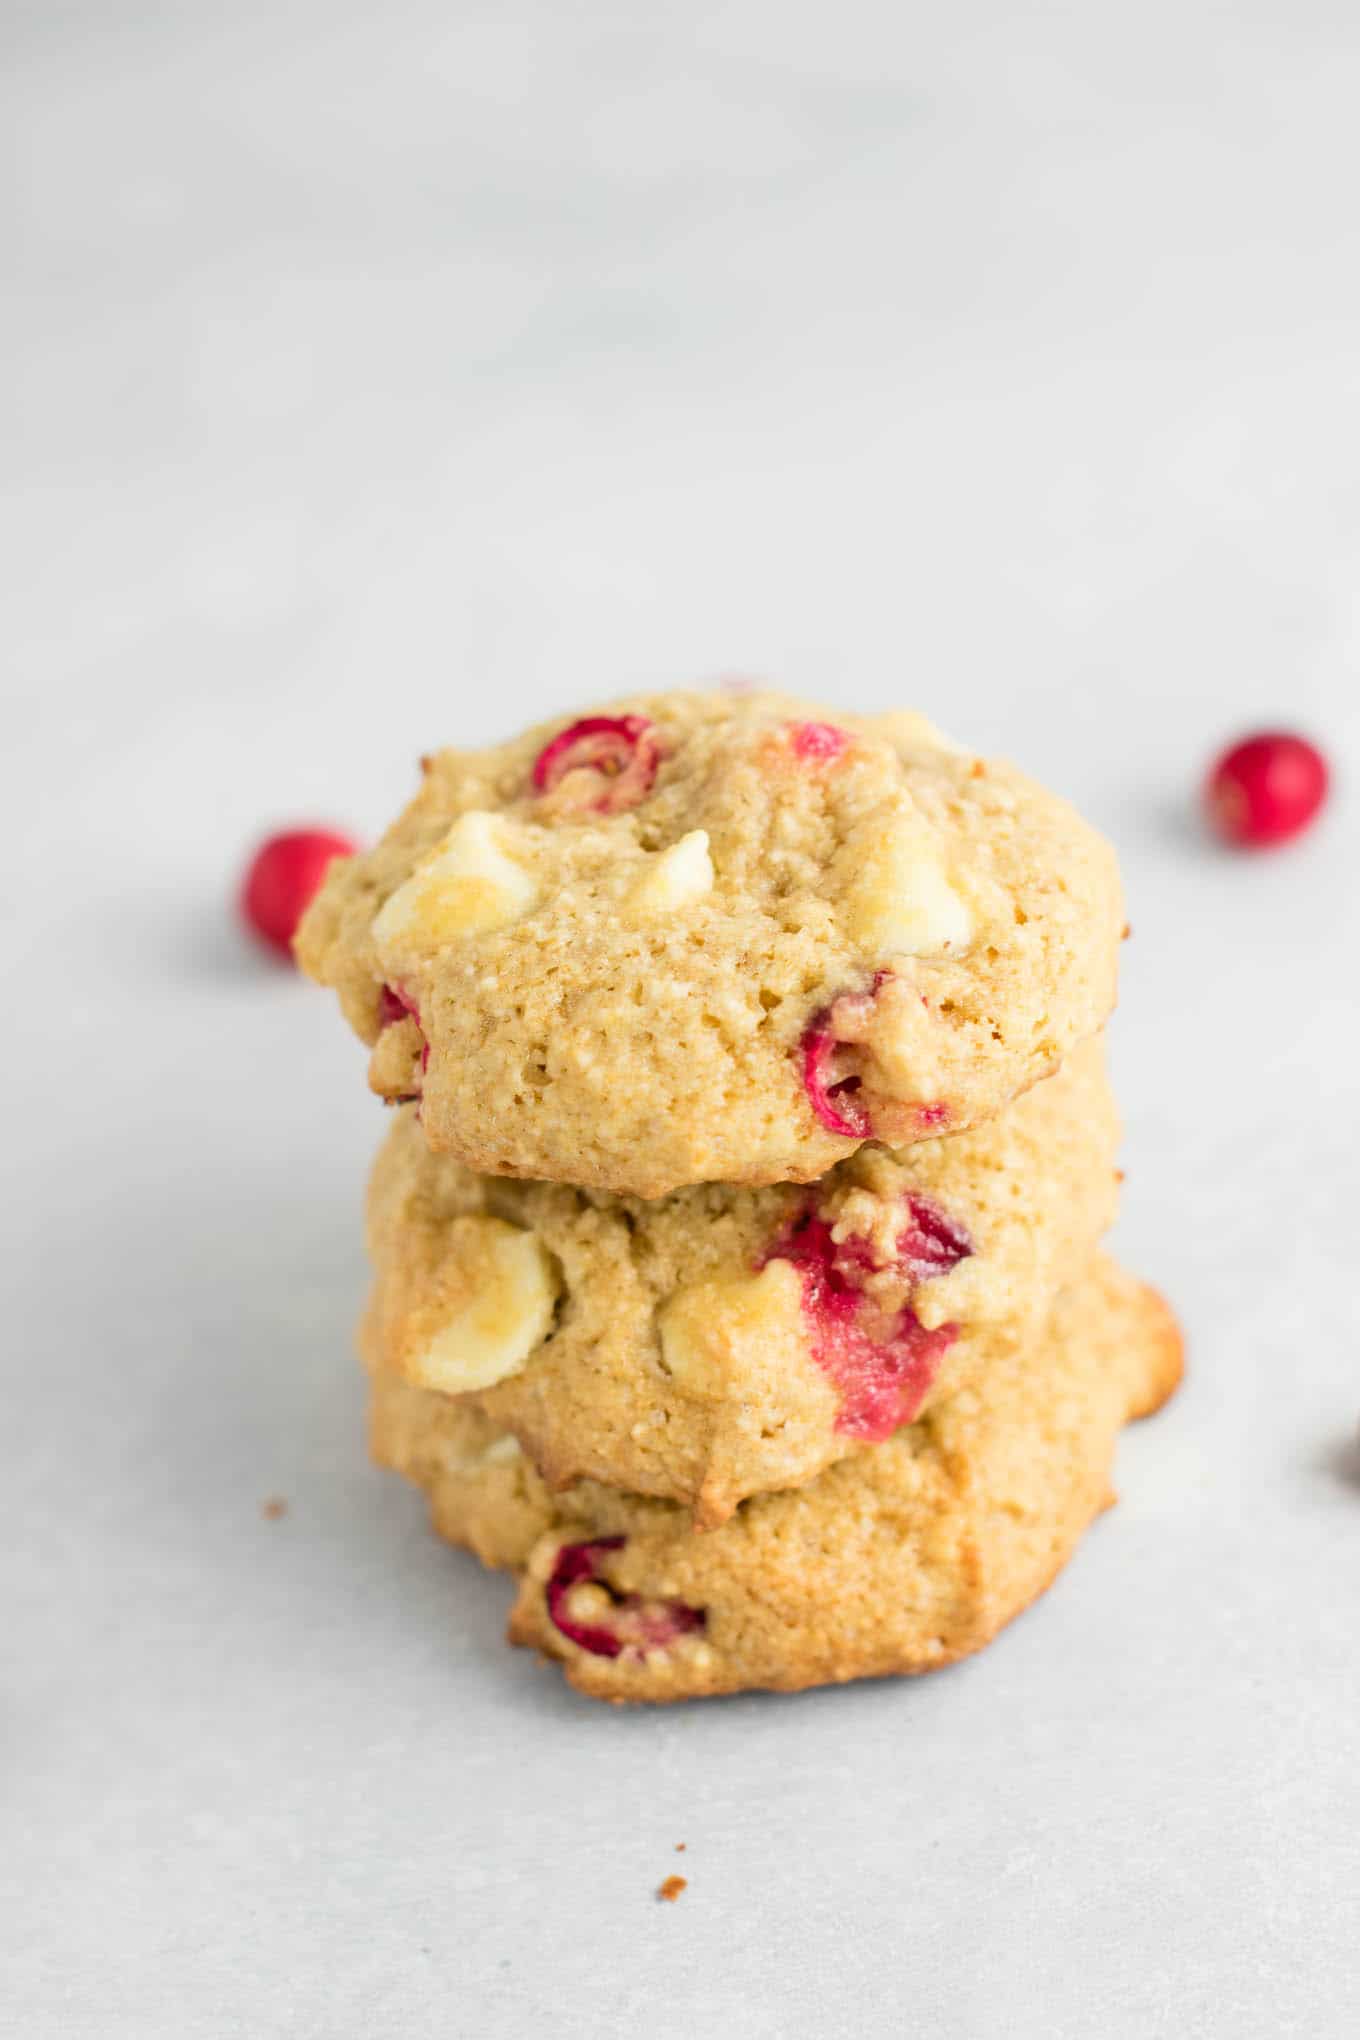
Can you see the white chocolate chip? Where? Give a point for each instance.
(469, 884)
(711, 1332)
(674, 878)
(898, 900)
(502, 1451)
(493, 1305)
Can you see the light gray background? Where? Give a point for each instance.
(381, 376)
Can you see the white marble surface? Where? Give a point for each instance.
(382, 376)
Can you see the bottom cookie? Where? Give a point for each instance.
(898, 1560)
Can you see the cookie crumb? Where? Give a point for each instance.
(1126, 931)
(679, 1848)
(671, 1889)
(272, 1509)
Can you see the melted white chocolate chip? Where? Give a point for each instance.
(711, 1331)
(674, 878)
(468, 885)
(495, 1301)
(898, 898)
(502, 1451)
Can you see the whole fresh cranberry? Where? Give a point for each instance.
(1266, 789)
(282, 879)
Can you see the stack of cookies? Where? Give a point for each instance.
(737, 1234)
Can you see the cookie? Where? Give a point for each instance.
(695, 939)
(720, 1342)
(897, 1560)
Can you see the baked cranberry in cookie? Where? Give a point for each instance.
(600, 765)
(863, 1330)
(584, 1608)
(702, 938)
(724, 1341)
(898, 1559)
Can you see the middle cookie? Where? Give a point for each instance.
(723, 1342)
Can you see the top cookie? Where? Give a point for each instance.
(694, 938)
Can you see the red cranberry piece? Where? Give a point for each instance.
(818, 743)
(395, 1004)
(833, 1098)
(575, 1564)
(283, 878)
(623, 750)
(883, 1367)
(632, 1622)
(931, 1243)
(1266, 789)
(884, 1382)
